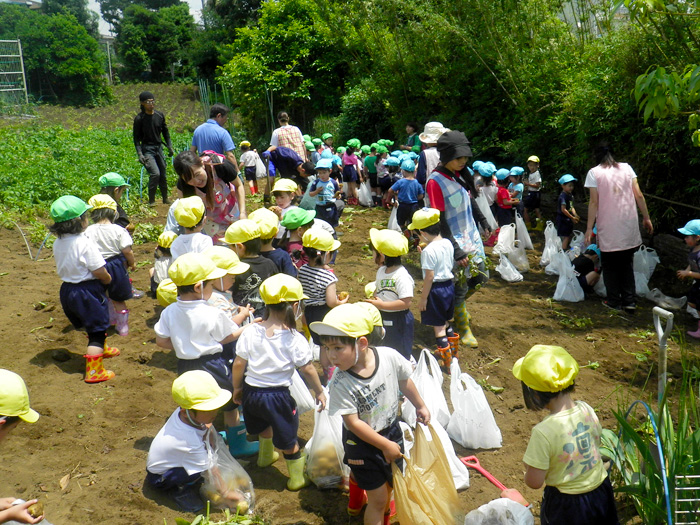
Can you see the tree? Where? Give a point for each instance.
(79, 9)
(112, 10)
(235, 13)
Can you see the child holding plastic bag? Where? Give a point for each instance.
(267, 354)
(563, 452)
(365, 391)
(692, 238)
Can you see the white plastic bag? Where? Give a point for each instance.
(260, 171)
(506, 240)
(664, 301)
(428, 380)
(578, 240)
(472, 424)
(226, 483)
(324, 461)
(364, 194)
(519, 258)
(508, 272)
(552, 244)
(393, 222)
(568, 287)
(522, 234)
(307, 201)
(502, 511)
(645, 261)
(599, 287)
(460, 472)
(486, 211)
(301, 394)
(641, 284)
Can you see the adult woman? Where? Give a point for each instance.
(451, 190)
(288, 136)
(213, 178)
(614, 192)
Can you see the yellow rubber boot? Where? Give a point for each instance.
(297, 476)
(463, 325)
(267, 454)
(95, 371)
(539, 227)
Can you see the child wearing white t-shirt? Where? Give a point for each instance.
(190, 213)
(248, 166)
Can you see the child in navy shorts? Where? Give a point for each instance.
(267, 354)
(85, 278)
(365, 391)
(408, 192)
(566, 213)
(437, 304)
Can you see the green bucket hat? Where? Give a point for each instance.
(112, 179)
(68, 207)
(297, 217)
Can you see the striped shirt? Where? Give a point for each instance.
(314, 281)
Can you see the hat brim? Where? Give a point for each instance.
(685, 231)
(335, 245)
(517, 369)
(325, 329)
(30, 416)
(212, 404)
(238, 269)
(216, 274)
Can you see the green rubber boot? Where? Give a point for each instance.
(267, 454)
(463, 325)
(297, 476)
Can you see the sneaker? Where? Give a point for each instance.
(629, 309)
(607, 304)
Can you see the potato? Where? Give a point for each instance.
(36, 510)
(343, 295)
(242, 507)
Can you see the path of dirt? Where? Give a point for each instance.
(100, 434)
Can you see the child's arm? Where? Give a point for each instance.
(362, 430)
(239, 365)
(243, 314)
(165, 342)
(682, 274)
(408, 388)
(573, 212)
(510, 202)
(427, 285)
(534, 477)
(102, 275)
(332, 296)
(10, 512)
(397, 305)
(129, 256)
(309, 372)
(316, 191)
(566, 212)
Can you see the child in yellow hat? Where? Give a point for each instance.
(284, 192)
(267, 354)
(190, 213)
(269, 225)
(114, 243)
(248, 166)
(365, 391)
(163, 259)
(83, 271)
(394, 289)
(564, 449)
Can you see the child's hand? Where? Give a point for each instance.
(277, 211)
(423, 304)
(342, 299)
(20, 513)
(682, 274)
(321, 400)
(391, 451)
(376, 302)
(423, 415)
(237, 396)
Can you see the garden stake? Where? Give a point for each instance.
(663, 337)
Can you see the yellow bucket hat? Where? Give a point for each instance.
(102, 200)
(226, 259)
(373, 312)
(166, 293)
(423, 218)
(14, 398)
(546, 368)
(189, 211)
(389, 242)
(285, 185)
(244, 143)
(370, 289)
(242, 230)
(533, 158)
(166, 239)
(345, 320)
(192, 268)
(267, 220)
(320, 240)
(198, 390)
(281, 288)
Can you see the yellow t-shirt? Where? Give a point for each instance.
(566, 445)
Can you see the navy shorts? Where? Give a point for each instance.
(532, 200)
(367, 463)
(313, 314)
(441, 304)
(404, 213)
(373, 182)
(587, 288)
(85, 305)
(399, 331)
(120, 288)
(694, 293)
(172, 478)
(385, 182)
(251, 173)
(328, 212)
(565, 226)
(505, 216)
(349, 173)
(218, 365)
(596, 506)
(271, 407)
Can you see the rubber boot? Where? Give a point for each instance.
(444, 355)
(357, 498)
(238, 445)
(696, 333)
(267, 454)
(539, 227)
(110, 351)
(123, 323)
(463, 325)
(454, 345)
(297, 476)
(94, 370)
(112, 313)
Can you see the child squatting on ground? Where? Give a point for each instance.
(563, 452)
(692, 239)
(365, 391)
(85, 278)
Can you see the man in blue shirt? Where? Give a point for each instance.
(212, 136)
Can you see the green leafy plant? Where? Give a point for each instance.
(228, 519)
(147, 232)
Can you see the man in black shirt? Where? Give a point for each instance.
(149, 125)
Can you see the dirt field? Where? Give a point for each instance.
(98, 435)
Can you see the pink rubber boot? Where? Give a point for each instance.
(696, 333)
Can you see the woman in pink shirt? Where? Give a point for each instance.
(615, 196)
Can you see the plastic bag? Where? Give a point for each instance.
(599, 287)
(506, 240)
(664, 301)
(641, 284)
(300, 393)
(427, 377)
(260, 171)
(226, 483)
(522, 234)
(552, 244)
(324, 462)
(578, 240)
(502, 511)
(424, 493)
(485, 210)
(364, 194)
(393, 222)
(508, 271)
(307, 201)
(472, 424)
(519, 258)
(568, 288)
(645, 261)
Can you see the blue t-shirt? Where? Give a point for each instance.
(408, 190)
(327, 192)
(211, 136)
(565, 199)
(518, 189)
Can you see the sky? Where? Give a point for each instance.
(195, 10)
